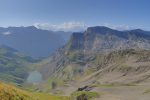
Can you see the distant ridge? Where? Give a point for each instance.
(32, 41)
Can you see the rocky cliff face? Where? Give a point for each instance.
(97, 49)
(101, 39)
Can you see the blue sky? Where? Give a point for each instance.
(62, 13)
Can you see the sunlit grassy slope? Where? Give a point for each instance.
(9, 92)
(44, 96)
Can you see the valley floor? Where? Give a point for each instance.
(119, 92)
(124, 93)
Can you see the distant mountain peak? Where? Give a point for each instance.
(99, 28)
(137, 30)
(33, 27)
(103, 39)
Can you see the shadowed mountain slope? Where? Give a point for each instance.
(32, 41)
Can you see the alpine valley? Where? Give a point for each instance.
(98, 64)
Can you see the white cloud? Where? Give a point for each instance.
(119, 27)
(67, 26)
(6, 33)
(78, 26)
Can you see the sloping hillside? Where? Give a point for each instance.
(83, 47)
(9, 92)
(120, 75)
(14, 66)
(88, 59)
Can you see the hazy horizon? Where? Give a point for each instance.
(70, 15)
